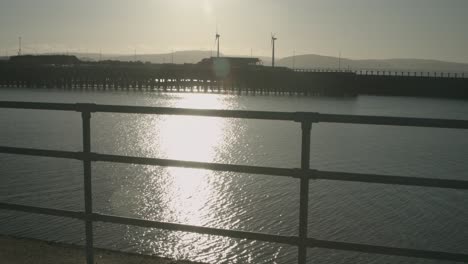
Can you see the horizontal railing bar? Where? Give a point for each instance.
(391, 251)
(151, 161)
(196, 165)
(314, 174)
(288, 240)
(38, 106)
(42, 210)
(196, 229)
(285, 116)
(154, 224)
(392, 121)
(41, 152)
(286, 172)
(389, 179)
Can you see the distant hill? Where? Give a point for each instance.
(312, 61)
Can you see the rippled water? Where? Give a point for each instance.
(422, 218)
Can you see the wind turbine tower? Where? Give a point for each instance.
(19, 46)
(273, 39)
(217, 41)
(339, 61)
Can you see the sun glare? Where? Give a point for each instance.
(207, 7)
(196, 139)
(191, 137)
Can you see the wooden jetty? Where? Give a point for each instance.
(218, 75)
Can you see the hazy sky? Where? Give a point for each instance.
(432, 29)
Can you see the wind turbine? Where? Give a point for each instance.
(294, 60)
(339, 61)
(273, 39)
(217, 41)
(19, 46)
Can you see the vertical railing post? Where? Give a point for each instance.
(306, 127)
(86, 118)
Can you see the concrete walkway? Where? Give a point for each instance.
(22, 251)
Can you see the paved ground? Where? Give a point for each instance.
(22, 251)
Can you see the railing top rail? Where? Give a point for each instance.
(266, 115)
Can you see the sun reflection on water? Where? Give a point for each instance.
(186, 192)
(190, 138)
(196, 139)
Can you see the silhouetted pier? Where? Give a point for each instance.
(227, 77)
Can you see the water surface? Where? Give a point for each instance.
(422, 218)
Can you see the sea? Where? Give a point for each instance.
(376, 214)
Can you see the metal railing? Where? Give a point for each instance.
(304, 174)
(383, 72)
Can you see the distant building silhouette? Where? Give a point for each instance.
(45, 59)
(235, 62)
